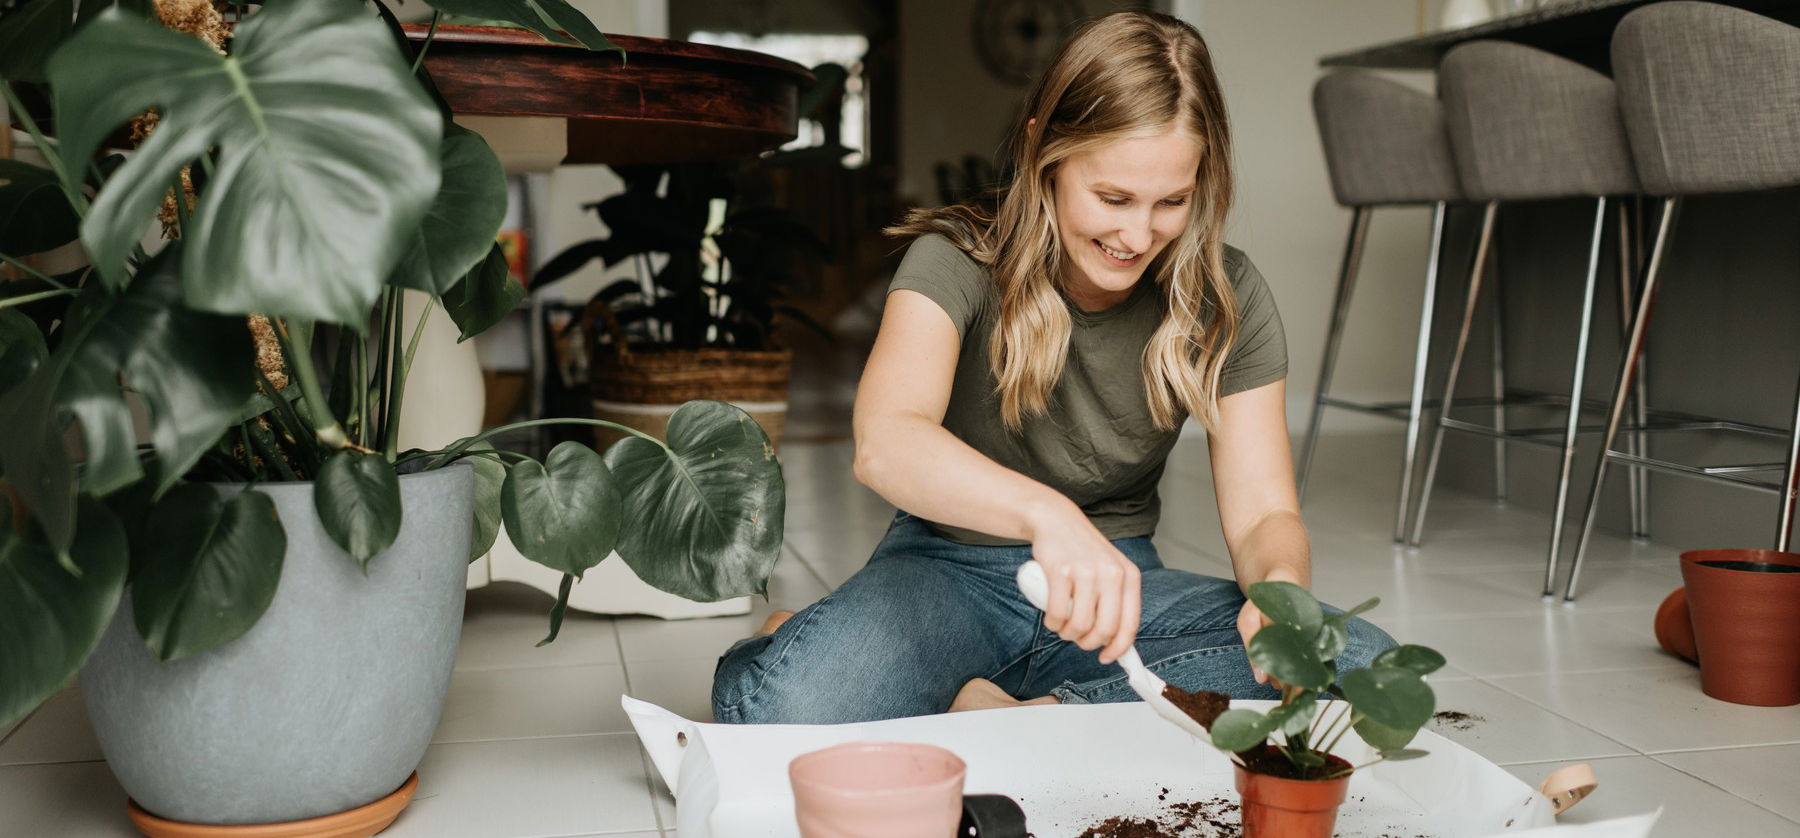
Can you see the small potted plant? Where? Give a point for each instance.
(1290, 780)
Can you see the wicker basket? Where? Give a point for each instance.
(641, 388)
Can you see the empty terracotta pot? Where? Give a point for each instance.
(877, 790)
(1745, 606)
(1675, 627)
(1275, 807)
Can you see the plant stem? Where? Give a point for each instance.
(1355, 769)
(269, 449)
(35, 273)
(298, 348)
(1348, 717)
(387, 351)
(463, 444)
(397, 392)
(430, 34)
(22, 299)
(52, 153)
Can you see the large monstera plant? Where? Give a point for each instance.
(305, 172)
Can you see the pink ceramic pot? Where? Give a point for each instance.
(877, 790)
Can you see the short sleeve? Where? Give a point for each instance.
(947, 276)
(1259, 356)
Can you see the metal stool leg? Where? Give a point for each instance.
(1628, 262)
(1790, 494)
(1499, 381)
(1580, 377)
(1456, 359)
(1415, 410)
(1621, 391)
(1359, 233)
(1641, 416)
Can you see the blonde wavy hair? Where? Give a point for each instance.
(1128, 74)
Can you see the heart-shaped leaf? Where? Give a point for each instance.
(210, 571)
(490, 475)
(544, 17)
(51, 619)
(1238, 730)
(1294, 717)
(1287, 654)
(1288, 603)
(326, 153)
(563, 514)
(1390, 696)
(459, 228)
(193, 370)
(34, 213)
(484, 296)
(704, 514)
(1333, 637)
(1420, 659)
(1380, 736)
(358, 498)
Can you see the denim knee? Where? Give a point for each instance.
(1366, 641)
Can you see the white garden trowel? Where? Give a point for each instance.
(1036, 589)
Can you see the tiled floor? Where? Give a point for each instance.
(533, 742)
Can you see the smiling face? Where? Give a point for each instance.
(1117, 207)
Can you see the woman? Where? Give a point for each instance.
(1034, 365)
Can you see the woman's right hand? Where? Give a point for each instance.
(1095, 592)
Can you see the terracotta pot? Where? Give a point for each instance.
(1675, 627)
(1746, 614)
(1275, 807)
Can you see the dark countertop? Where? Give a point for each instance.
(1577, 29)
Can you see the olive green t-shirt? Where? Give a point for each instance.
(1097, 443)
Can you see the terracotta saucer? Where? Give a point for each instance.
(360, 822)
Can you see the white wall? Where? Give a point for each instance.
(1266, 53)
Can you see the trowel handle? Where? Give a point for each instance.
(1034, 585)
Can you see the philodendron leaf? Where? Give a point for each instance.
(1288, 655)
(484, 296)
(210, 571)
(564, 513)
(29, 33)
(1294, 717)
(490, 475)
(325, 146)
(544, 17)
(1422, 660)
(1402, 754)
(34, 213)
(1333, 637)
(459, 228)
(1390, 696)
(1240, 730)
(1380, 736)
(193, 370)
(1289, 604)
(21, 348)
(51, 619)
(358, 498)
(704, 514)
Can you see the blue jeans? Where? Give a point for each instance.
(928, 614)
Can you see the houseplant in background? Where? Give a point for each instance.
(703, 322)
(1289, 778)
(267, 596)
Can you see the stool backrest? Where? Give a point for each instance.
(1527, 124)
(1384, 142)
(1711, 97)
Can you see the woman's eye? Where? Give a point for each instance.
(1175, 202)
(1114, 202)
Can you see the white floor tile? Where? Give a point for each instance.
(1551, 640)
(1505, 728)
(504, 621)
(1764, 776)
(57, 732)
(68, 800)
(1635, 785)
(683, 687)
(536, 787)
(487, 704)
(1659, 709)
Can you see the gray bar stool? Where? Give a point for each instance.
(1527, 125)
(1384, 146)
(1711, 101)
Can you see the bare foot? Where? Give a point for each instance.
(774, 622)
(982, 694)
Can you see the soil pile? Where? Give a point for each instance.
(1203, 707)
(1214, 818)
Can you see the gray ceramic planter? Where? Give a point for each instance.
(328, 703)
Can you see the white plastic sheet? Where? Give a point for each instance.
(1072, 766)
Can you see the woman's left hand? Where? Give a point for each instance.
(1250, 621)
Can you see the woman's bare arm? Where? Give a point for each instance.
(904, 453)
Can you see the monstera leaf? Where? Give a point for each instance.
(460, 227)
(209, 571)
(703, 514)
(563, 513)
(195, 371)
(325, 153)
(50, 618)
(484, 296)
(544, 17)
